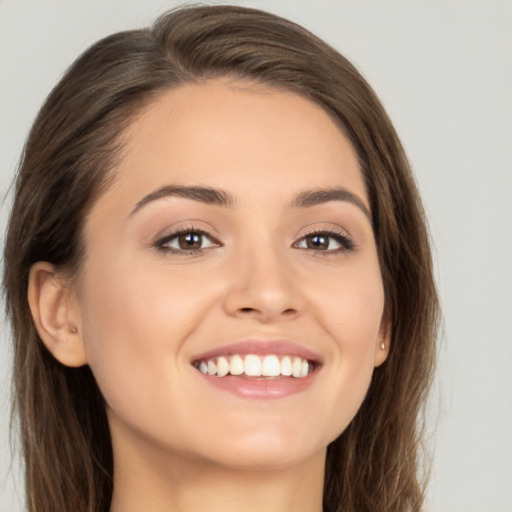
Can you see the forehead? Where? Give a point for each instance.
(239, 136)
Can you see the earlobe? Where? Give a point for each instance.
(383, 341)
(56, 315)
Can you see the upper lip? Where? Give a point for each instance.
(279, 347)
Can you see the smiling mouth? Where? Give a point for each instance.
(252, 366)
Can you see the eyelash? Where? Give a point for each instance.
(346, 244)
(161, 244)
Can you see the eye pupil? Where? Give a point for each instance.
(190, 241)
(318, 242)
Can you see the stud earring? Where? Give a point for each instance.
(383, 346)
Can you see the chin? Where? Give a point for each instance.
(266, 459)
(267, 449)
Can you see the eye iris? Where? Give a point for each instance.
(190, 241)
(318, 242)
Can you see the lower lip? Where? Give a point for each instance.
(263, 389)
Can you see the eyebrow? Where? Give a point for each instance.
(209, 195)
(205, 195)
(311, 198)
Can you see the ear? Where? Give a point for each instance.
(383, 340)
(56, 314)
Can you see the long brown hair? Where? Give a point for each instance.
(67, 161)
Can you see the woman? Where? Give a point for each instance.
(230, 296)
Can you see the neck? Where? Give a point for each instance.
(159, 482)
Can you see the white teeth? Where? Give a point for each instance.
(236, 365)
(212, 368)
(296, 366)
(252, 366)
(286, 366)
(222, 366)
(304, 369)
(271, 366)
(256, 366)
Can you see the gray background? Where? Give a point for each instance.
(444, 73)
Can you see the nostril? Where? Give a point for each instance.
(286, 312)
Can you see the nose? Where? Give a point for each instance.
(263, 286)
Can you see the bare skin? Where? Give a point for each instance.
(175, 271)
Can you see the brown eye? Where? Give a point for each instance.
(186, 241)
(190, 241)
(329, 242)
(317, 242)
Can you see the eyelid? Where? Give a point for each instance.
(342, 238)
(336, 233)
(162, 241)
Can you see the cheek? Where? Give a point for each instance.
(134, 325)
(350, 306)
(350, 312)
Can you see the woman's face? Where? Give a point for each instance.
(236, 237)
